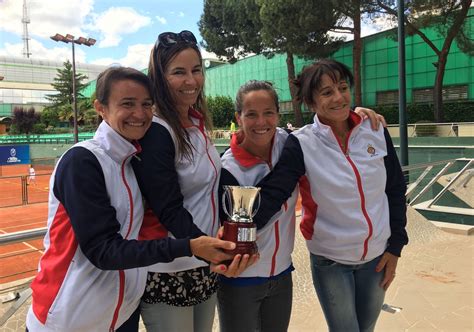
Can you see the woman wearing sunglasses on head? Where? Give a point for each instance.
(178, 173)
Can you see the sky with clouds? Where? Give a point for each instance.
(125, 30)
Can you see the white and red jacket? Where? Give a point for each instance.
(276, 240)
(179, 191)
(353, 200)
(89, 276)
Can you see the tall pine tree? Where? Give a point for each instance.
(448, 18)
(62, 102)
(291, 27)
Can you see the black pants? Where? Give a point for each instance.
(131, 324)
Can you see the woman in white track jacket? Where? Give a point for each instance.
(262, 294)
(353, 196)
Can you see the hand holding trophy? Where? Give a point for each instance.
(239, 228)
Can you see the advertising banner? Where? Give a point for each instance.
(14, 154)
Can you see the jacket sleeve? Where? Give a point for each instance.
(158, 180)
(79, 185)
(395, 190)
(280, 183)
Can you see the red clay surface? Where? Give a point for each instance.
(36, 191)
(20, 260)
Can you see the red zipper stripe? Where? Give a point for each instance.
(201, 129)
(277, 246)
(130, 224)
(362, 205)
(120, 300)
(129, 196)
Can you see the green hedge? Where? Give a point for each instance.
(290, 117)
(222, 111)
(453, 112)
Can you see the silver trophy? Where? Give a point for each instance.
(238, 204)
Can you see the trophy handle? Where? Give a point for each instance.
(254, 212)
(226, 198)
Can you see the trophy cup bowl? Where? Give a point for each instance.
(239, 227)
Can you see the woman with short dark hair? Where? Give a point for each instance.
(353, 197)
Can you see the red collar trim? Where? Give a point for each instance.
(245, 158)
(137, 146)
(195, 114)
(354, 119)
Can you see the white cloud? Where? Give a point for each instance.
(178, 14)
(116, 22)
(162, 20)
(75, 17)
(46, 16)
(59, 53)
(137, 57)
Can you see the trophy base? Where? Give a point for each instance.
(243, 248)
(234, 231)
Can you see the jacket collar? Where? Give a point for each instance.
(114, 145)
(196, 118)
(354, 121)
(245, 158)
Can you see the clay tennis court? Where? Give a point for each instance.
(22, 207)
(20, 260)
(13, 192)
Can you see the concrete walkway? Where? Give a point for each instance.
(434, 286)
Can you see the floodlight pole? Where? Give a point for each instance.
(81, 41)
(402, 100)
(74, 97)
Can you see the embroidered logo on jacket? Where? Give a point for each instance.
(371, 150)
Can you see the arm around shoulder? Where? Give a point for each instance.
(395, 190)
(280, 183)
(80, 187)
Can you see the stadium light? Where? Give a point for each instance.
(80, 41)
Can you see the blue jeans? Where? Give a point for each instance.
(167, 318)
(265, 307)
(350, 295)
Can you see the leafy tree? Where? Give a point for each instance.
(50, 117)
(298, 28)
(231, 28)
(291, 27)
(38, 128)
(62, 101)
(91, 118)
(353, 11)
(448, 18)
(24, 120)
(222, 110)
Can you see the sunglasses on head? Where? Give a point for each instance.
(168, 39)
